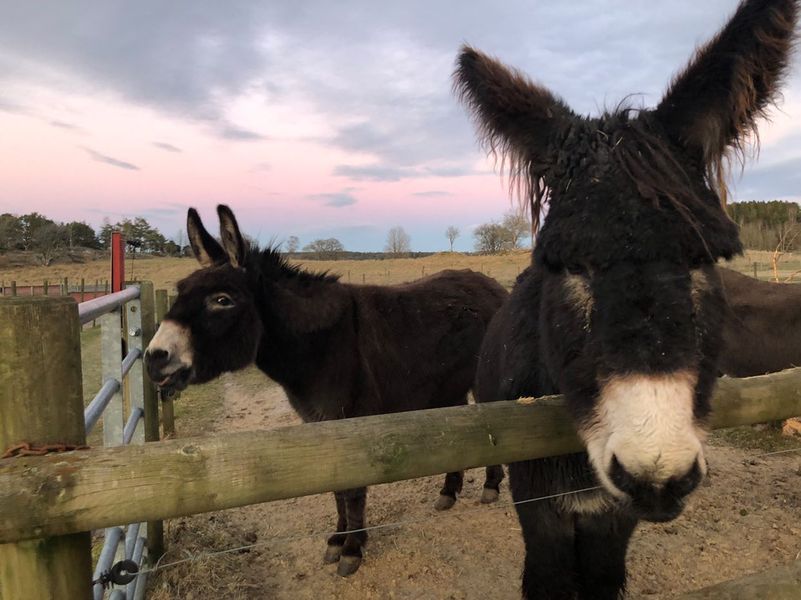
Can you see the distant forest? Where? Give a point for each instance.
(768, 225)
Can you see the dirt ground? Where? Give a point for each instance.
(745, 518)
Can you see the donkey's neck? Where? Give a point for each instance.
(307, 331)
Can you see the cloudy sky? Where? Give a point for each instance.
(314, 118)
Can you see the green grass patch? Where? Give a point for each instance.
(766, 438)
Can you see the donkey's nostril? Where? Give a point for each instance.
(158, 354)
(156, 359)
(655, 501)
(625, 481)
(681, 486)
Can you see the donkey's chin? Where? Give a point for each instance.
(176, 381)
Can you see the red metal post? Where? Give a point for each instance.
(117, 261)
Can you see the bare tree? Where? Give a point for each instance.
(452, 233)
(325, 249)
(292, 244)
(517, 226)
(491, 238)
(786, 241)
(398, 241)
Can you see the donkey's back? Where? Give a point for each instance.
(418, 342)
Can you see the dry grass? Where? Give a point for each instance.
(222, 576)
(166, 272)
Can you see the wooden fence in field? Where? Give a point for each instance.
(49, 503)
(41, 329)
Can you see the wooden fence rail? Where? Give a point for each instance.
(78, 491)
(778, 583)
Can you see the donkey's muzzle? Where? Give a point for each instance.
(658, 502)
(163, 372)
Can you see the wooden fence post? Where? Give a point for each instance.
(167, 406)
(41, 400)
(14, 288)
(755, 271)
(45, 288)
(83, 289)
(66, 289)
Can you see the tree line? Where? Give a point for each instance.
(773, 225)
(49, 239)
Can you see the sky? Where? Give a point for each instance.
(317, 119)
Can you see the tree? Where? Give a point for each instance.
(765, 225)
(325, 249)
(138, 231)
(517, 227)
(30, 223)
(104, 235)
(398, 241)
(171, 248)
(50, 240)
(491, 238)
(292, 244)
(10, 232)
(82, 235)
(452, 233)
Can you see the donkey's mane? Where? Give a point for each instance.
(270, 263)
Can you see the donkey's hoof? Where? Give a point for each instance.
(332, 554)
(348, 565)
(444, 502)
(489, 495)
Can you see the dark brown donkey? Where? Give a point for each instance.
(622, 310)
(338, 350)
(762, 330)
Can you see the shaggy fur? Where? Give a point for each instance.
(762, 331)
(338, 350)
(622, 311)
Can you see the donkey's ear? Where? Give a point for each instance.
(207, 250)
(232, 241)
(713, 105)
(515, 116)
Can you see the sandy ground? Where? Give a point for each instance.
(744, 519)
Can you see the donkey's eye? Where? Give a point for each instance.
(221, 301)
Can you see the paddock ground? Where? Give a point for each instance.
(743, 520)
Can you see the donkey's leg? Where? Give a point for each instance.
(601, 542)
(336, 541)
(355, 502)
(452, 487)
(549, 568)
(492, 484)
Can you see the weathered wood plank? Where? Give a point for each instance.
(778, 583)
(41, 402)
(103, 487)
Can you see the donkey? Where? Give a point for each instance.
(622, 309)
(338, 350)
(762, 330)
